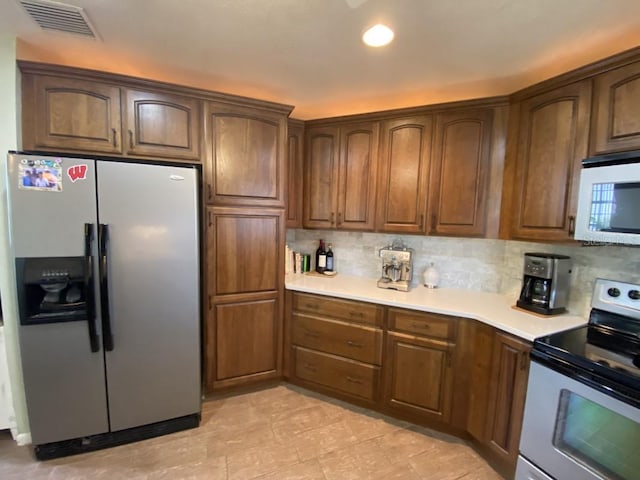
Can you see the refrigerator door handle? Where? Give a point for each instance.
(94, 341)
(107, 333)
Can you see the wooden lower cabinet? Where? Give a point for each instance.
(453, 374)
(419, 364)
(419, 376)
(243, 343)
(497, 393)
(336, 345)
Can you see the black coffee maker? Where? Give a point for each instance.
(545, 284)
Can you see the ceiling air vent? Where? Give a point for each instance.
(59, 17)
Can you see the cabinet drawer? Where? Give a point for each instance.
(348, 340)
(428, 324)
(366, 313)
(334, 372)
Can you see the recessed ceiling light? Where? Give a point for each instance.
(378, 36)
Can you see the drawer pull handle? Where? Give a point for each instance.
(308, 366)
(312, 306)
(354, 344)
(420, 325)
(354, 380)
(312, 333)
(356, 314)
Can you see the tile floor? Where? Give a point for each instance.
(280, 433)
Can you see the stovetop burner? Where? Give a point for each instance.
(607, 350)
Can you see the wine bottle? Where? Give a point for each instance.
(329, 266)
(321, 258)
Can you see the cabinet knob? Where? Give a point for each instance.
(312, 333)
(354, 380)
(130, 139)
(354, 344)
(115, 139)
(332, 218)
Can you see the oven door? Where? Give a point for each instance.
(572, 431)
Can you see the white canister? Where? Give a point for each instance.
(431, 277)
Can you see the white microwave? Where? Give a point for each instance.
(609, 200)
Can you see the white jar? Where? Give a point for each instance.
(431, 277)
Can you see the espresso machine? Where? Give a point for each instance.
(397, 267)
(545, 284)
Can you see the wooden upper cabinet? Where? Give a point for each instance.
(68, 114)
(404, 174)
(553, 140)
(295, 159)
(320, 177)
(459, 173)
(164, 125)
(616, 110)
(340, 181)
(357, 176)
(246, 158)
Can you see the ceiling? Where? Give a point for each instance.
(308, 53)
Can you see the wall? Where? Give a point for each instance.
(475, 264)
(9, 135)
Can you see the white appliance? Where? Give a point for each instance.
(608, 199)
(108, 281)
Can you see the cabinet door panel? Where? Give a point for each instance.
(616, 122)
(358, 170)
(419, 376)
(244, 250)
(404, 175)
(553, 142)
(163, 125)
(246, 339)
(510, 368)
(246, 157)
(321, 177)
(295, 143)
(460, 173)
(72, 114)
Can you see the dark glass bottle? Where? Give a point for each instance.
(321, 258)
(329, 266)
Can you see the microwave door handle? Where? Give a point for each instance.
(107, 332)
(89, 295)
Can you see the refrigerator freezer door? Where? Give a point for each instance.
(64, 380)
(153, 371)
(49, 221)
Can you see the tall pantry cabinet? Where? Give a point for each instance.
(245, 175)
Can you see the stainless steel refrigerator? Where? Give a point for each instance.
(108, 280)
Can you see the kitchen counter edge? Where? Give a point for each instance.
(491, 308)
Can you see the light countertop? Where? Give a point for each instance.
(491, 308)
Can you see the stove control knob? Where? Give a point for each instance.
(634, 294)
(613, 292)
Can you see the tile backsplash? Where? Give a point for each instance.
(471, 263)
